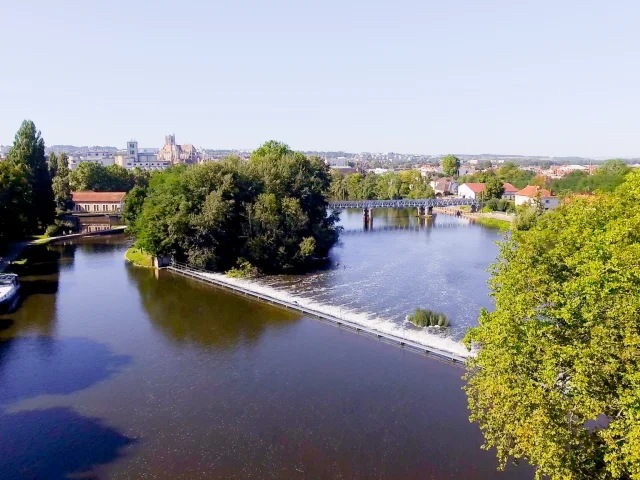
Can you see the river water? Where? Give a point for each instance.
(112, 371)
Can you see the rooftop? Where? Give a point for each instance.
(97, 196)
(533, 191)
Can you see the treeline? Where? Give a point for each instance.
(605, 178)
(113, 178)
(506, 173)
(269, 213)
(388, 186)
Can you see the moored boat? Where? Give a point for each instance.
(9, 288)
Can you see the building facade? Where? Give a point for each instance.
(173, 153)
(509, 191)
(98, 202)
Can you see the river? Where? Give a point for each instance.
(112, 371)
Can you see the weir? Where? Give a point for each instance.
(206, 277)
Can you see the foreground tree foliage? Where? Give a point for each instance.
(270, 212)
(557, 377)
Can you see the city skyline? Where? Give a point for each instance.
(533, 80)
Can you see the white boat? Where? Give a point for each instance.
(9, 288)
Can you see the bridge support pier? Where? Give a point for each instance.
(367, 217)
(421, 211)
(430, 211)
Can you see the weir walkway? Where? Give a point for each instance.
(205, 276)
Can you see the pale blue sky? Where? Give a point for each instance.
(540, 77)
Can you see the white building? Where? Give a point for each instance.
(471, 190)
(144, 158)
(102, 157)
(532, 194)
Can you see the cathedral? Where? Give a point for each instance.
(176, 154)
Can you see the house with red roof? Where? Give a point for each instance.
(509, 191)
(533, 194)
(471, 190)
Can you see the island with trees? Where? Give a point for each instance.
(268, 214)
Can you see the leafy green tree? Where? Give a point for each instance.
(28, 152)
(494, 188)
(339, 187)
(15, 202)
(450, 165)
(354, 186)
(510, 173)
(113, 178)
(556, 379)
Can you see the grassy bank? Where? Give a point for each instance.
(139, 258)
(494, 223)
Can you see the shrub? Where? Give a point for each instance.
(428, 318)
(243, 270)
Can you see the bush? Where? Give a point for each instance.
(495, 205)
(428, 318)
(58, 228)
(244, 270)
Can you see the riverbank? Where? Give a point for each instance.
(497, 220)
(417, 339)
(138, 258)
(14, 250)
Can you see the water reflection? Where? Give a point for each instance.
(39, 278)
(188, 311)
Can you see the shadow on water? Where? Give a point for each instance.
(190, 312)
(31, 366)
(53, 443)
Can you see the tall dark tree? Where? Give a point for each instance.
(28, 152)
(61, 183)
(53, 165)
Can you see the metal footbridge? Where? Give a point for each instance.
(403, 203)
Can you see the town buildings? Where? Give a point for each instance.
(98, 202)
(175, 154)
(145, 159)
(532, 195)
(103, 157)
